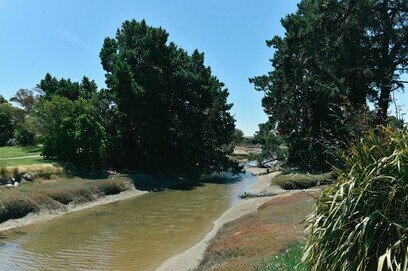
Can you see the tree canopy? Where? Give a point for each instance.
(163, 110)
(65, 87)
(334, 57)
(173, 113)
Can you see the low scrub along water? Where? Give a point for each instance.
(135, 234)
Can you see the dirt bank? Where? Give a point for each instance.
(245, 243)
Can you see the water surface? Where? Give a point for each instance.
(135, 234)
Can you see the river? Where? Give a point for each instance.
(134, 234)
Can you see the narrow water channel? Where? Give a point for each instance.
(135, 234)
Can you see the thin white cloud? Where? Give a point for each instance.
(75, 40)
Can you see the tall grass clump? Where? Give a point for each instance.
(361, 222)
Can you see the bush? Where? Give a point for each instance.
(361, 223)
(291, 180)
(16, 207)
(67, 195)
(111, 187)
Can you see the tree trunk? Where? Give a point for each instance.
(386, 70)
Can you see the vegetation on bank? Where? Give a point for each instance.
(333, 58)
(252, 240)
(163, 111)
(36, 171)
(290, 180)
(55, 194)
(361, 222)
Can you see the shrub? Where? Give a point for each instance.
(361, 222)
(291, 180)
(16, 207)
(67, 195)
(111, 187)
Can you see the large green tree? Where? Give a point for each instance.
(25, 99)
(173, 113)
(334, 57)
(6, 122)
(50, 86)
(69, 131)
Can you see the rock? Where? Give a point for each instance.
(27, 177)
(9, 185)
(16, 184)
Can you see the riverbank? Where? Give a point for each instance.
(252, 240)
(48, 192)
(202, 256)
(192, 257)
(47, 215)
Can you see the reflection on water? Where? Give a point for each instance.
(136, 234)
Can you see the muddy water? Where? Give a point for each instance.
(135, 234)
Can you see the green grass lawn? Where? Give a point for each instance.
(24, 162)
(12, 152)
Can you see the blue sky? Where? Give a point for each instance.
(65, 37)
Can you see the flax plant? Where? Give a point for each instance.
(361, 221)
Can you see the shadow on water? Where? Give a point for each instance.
(151, 183)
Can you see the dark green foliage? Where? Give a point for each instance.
(69, 132)
(2, 100)
(23, 135)
(26, 99)
(173, 114)
(335, 56)
(90, 141)
(273, 145)
(50, 86)
(6, 123)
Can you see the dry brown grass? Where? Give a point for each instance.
(45, 171)
(244, 243)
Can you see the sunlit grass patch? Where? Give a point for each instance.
(10, 152)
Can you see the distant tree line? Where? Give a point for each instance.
(334, 58)
(163, 110)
